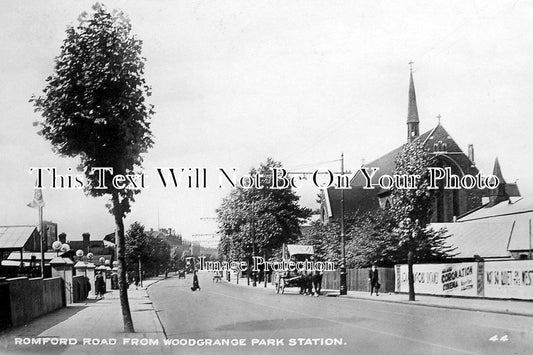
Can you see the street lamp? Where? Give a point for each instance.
(343, 289)
(79, 253)
(57, 246)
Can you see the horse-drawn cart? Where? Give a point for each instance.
(284, 279)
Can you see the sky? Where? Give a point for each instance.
(236, 82)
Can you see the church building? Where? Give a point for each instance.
(448, 205)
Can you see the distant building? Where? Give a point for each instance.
(20, 248)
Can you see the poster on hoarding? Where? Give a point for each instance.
(441, 279)
(509, 279)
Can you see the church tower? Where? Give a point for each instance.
(412, 111)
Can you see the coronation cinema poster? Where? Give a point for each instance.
(318, 86)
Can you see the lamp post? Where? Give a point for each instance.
(253, 243)
(342, 290)
(140, 272)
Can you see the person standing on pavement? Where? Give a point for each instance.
(99, 284)
(373, 277)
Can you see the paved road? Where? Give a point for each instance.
(225, 311)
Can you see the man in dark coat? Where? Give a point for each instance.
(373, 277)
(195, 284)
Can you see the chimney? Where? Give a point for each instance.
(471, 153)
(86, 241)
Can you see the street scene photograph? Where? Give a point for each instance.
(266, 177)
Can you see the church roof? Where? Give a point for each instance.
(356, 200)
(387, 163)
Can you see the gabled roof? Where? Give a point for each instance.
(14, 237)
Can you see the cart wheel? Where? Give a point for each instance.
(282, 286)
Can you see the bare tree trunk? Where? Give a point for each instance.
(121, 252)
(411, 276)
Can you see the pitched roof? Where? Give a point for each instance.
(14, 237)
(27, 255)
(356, 199)
(517, 214)
(488, 240)
(523, 206)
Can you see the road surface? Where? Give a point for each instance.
(257, 320)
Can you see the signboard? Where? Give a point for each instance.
(440, 279)
(509, 279)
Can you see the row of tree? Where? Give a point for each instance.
(258, 221)
(151, 252)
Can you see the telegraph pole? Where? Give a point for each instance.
(343, 248)
(253, 245)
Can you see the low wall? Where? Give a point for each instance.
(512, 279)
(31, 298)
(357, 280)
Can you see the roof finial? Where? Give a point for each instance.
(411, 65)
(438, 117)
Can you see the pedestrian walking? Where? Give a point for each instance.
(373, 277)
(195, 284)
(317, 282)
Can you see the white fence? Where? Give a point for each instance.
(495, 279)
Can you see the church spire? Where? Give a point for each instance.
(497, 171)
(498, 194)
(412, 110)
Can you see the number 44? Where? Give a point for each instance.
(496, 338)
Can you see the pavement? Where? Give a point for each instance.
(90, 324)
(94, 323)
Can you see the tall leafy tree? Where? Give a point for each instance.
(152, 252)
(94, 107)
(412, 209)
(261, 219)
